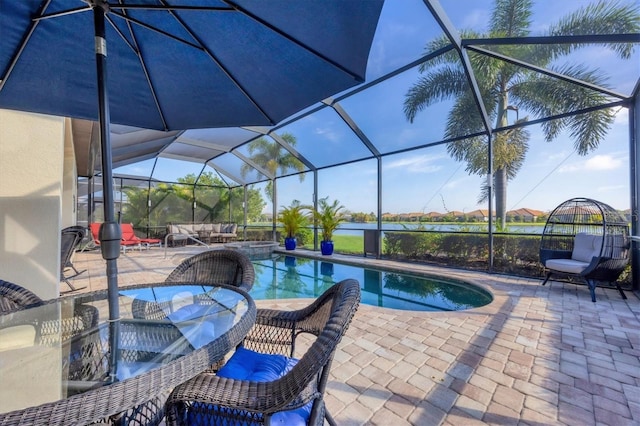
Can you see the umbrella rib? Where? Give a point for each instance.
(122, 36)
(222, 67)
(158, 30)
(23, 45)
(169, 7)
(136, 50)
(261, 21)
(62, 13)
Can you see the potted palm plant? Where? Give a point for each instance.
(292, 219)
(328, 216)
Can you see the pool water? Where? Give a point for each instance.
(287, 277)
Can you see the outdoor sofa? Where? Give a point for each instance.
(182, 233)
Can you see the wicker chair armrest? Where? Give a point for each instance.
(319, 308)
(259, 397)
(595, 261)
(546, 254)
(275, 318)
(604, 268)
(275, 331)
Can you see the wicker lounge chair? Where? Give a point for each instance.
(587, 239)
(237, 396)
(13, 296)
(216, 267)
(70, 239)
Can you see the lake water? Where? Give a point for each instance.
(480, 227)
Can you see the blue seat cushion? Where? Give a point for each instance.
(246, 364)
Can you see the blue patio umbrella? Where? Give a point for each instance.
(177, 65)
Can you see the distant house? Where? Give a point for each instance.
(453, 215)
(415, 216)
(434, 216)
(389, 217)
(525, 215)
(480, 215)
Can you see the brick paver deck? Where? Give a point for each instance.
(534, 356)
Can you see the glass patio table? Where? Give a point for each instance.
(57, 365)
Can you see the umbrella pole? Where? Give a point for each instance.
(110, 233)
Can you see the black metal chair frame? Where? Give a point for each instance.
(584, 215)
(70, 239)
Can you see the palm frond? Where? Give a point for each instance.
(604, 17)
(436, 85)
(546, 96)
(448, 58)
(511, 17)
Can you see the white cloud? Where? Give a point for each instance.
(328, 133)
(611, 188)
(569, 168)
(453, 184)
(561, 155)
(604, 162)
(622, 117)
(417, 164)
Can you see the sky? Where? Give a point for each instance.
(427, 180)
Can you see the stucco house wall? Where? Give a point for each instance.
(32, 182)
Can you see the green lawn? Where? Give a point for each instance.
(352, 244)
(348, 243)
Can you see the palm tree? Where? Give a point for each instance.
(273, 157)
(504, 86)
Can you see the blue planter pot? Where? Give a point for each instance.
(290, 243)
(326, 268)
(326, 247)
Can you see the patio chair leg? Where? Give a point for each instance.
(71, 286)
(624, 296)
(547, 278)
(329, 418)
(592, 289)
(76, 272)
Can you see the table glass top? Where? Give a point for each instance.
(63, 347)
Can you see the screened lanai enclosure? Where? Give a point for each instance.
(476, 119)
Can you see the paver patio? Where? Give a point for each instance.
(536, 355)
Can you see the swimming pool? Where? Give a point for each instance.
(287, 277)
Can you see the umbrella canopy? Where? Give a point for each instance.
(183, 64)
(177, 64)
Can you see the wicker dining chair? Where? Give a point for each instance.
(13, 296)
(236, 395)
(230, 267)
(211, 267)
(223, 266)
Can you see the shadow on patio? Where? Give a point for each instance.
(535, 355)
